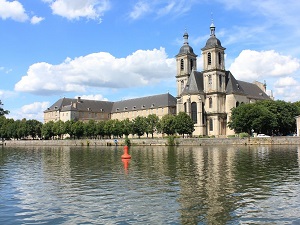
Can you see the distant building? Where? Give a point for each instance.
(81, 109)
(206, 96)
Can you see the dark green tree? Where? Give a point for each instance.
(78, 129)
(47, 130)
(247, 117)
(108, 128)
(184, 124)
(126, 127)
(59, 129)
(2, 111)
(285, 113)
(152, 121)
(100, 129)
(167, 124)
(139, 126)
(68, 128)
(34, 128)
(90, 129)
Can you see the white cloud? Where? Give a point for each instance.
(140, 8)
(93, 97)
(286, 82)
(161, 8)
(36, 19)
(101, 70)
(30, 111)
(5, 94)
(76, 9)
(12, 10)
(252, 65)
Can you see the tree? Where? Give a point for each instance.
(47, 130)
(139, 126)
(100, 128)
(34, 128)
(2, 111)
(152, 121)
(255, 116)
(126, 127)
(78, 129)
(184, 124)
(167, 124)
(90, 129)
(68, 128)
(59, 129)
(285, 113)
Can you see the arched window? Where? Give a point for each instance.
(209, 58)
(211, 125)
(220, 80)
(192, 64)
(210, 103)
(220, 58)
(194, 112)
(237, 104)
(184, 106)
(181, 64)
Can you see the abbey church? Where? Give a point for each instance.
(207, 96)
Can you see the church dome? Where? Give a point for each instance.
(186, 48)
(212, 41)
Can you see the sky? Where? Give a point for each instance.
(120, 49)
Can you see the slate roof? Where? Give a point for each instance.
(253, 91)
(66, 104)
(148, 102)
(194, 84)
(232, 85)
(155, 101)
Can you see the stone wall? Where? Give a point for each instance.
(159, 142)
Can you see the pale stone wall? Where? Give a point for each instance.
(159, 141)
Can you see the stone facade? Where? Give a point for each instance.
(207, 96)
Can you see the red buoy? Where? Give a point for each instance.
(126, 155)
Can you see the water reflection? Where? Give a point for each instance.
(160, 185)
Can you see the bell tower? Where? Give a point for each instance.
(213, 64)
(186, 61)
(214, 84)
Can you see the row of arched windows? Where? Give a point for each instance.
(209, 58)
(192, 64)
(194, 114)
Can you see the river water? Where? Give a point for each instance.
(159, 185)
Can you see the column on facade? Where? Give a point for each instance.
(199, 110)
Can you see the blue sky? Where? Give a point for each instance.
(116, 49)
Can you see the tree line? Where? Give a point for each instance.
(169, 124)
(268, 117)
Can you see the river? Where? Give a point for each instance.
(158, 185)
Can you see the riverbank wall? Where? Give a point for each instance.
(158, 142)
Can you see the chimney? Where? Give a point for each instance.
(78, 99)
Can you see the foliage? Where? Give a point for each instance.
(127, 141)
(152, 121)
(171, 140)
(269, 117)
(167, 124)
(2, 111)
(184, 124)
(139, 126)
